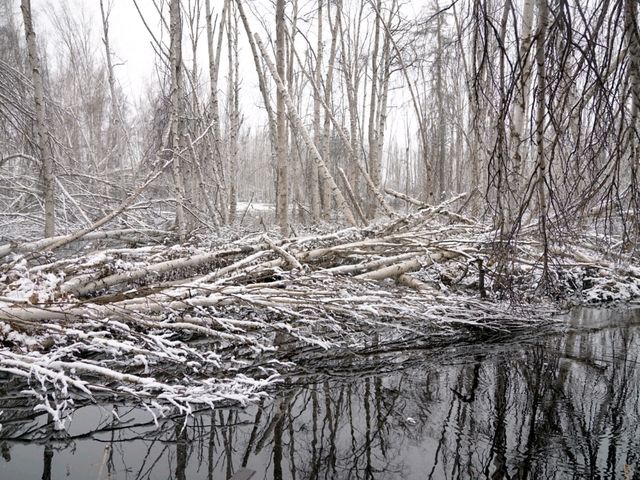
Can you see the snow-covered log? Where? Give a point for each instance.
(184, 325)
(129, 235)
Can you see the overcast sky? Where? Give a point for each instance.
(131, 46)
(134, 56)
(130, 42)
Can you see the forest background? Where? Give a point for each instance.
(531, 108)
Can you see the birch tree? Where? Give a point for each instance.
(115, 114)
(314, 185)
(282, 179)
(175, 61)
(440, 129)
(632, 34)
(374, 158)
(520, 107)
(306, 137)
(233, 107)
(328, 97)
(215, 147)
(543, 14)
(40, 125)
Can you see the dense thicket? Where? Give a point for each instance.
(529, 106)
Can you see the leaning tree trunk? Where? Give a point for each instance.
(328, 94)
(351, 75)
(262, 82)
(42, 145)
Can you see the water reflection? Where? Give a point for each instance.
(562, 407)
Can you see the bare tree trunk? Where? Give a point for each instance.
(301, 130)
(348, 145)
(42, 144)
(477, 68)
(176, 99)
(234, 111)
(440, 192)
(374, 160)
(632, 32)
(296, 178)
(217, 163)
(461, 177)
(385, 77)
(317, 132)
(351, 75)
(328, 93)
(520, 107)
(191, 171)
(501, 165)
(114, 118)
(282, 183)
(262, 82)
(540, 117)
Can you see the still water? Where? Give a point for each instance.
(560, 406)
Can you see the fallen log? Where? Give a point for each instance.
(48, 243)
(80, 288)
(207, 316)
(406, 198)
(394, 271)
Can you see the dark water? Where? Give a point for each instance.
(554, 407)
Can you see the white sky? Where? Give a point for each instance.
(130, 42)
(134, 56)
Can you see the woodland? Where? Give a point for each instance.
(411, 173)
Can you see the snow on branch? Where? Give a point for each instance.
(182, 326)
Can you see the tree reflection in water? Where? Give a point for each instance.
(563, 406)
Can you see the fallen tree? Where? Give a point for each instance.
(197, 324)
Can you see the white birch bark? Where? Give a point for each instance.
(351, 76)
(349, 146)
(114, 118)
(301, 130)
(234, 111)
(176, 98)
(632, 32)
(374, 158)
(522, 92)
(328, 93)
(40, 130)
(540, 118)
(385, 76)
(217, 164)
(317, 132)
(262, 81)
(282, 181)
